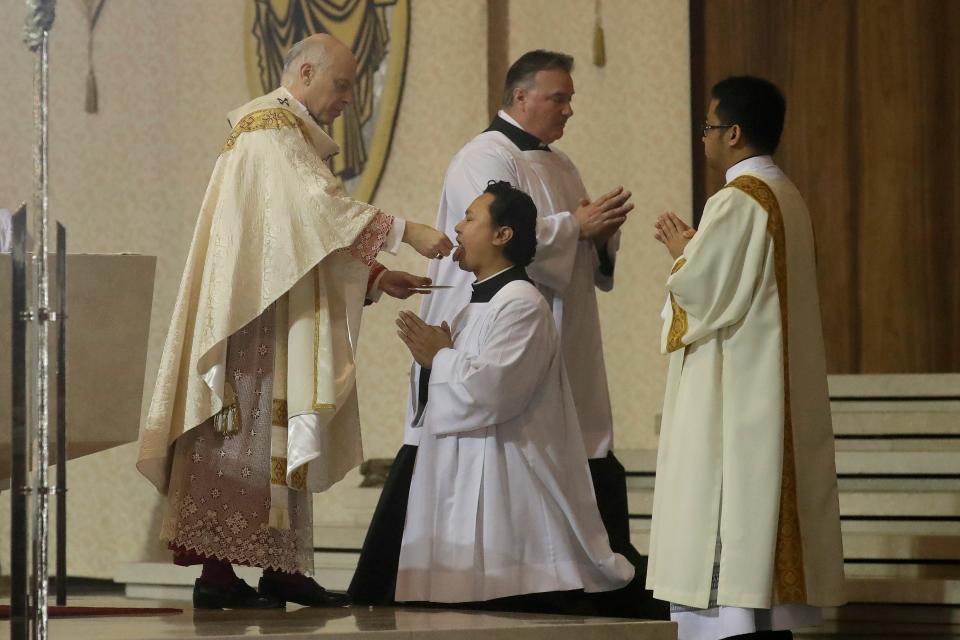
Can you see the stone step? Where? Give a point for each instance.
(903, 571)
(902, 527)
(931, 504)
(860, 504)
(878, 613)
(895, 385)
(852, 483)
(869, 546)
(911, 445)
(907, 386)
(879, 458)
(868, 630)
(876, 419)
(917, 591)
(860, 421)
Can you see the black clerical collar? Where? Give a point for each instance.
(523, 140)
(484, 291)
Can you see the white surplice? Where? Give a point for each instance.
(501, 500)
(565, 269)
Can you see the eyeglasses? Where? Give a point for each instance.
(707, 126)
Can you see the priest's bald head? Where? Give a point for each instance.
(538, 91)
(320, 71)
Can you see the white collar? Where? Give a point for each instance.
(295, 105)
(322, 141)
(493, 276)
(752, 164)
(503, 115)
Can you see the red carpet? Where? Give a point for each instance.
(78, 612)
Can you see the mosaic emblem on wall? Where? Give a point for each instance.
(377, 31)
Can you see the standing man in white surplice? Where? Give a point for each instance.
(255, 405)
(745, 539)
(577, 244)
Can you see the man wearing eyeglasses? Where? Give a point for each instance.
(745, 540)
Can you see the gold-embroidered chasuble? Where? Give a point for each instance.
(275, 226)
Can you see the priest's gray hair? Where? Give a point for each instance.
(314, 53)
(522, 72)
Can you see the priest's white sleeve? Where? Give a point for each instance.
(557, 238)
(476, 390)
(713, 283)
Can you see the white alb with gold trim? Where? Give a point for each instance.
(746, 447)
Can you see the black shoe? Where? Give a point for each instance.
(304, 592)
(239, 596)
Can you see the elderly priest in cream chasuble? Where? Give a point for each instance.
(255, 403)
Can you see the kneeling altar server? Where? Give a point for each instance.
(501, 507)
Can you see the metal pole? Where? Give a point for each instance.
(61, 415)
(19, 627)
(40, 15)
(41, 484)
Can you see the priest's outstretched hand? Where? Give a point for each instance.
(427, 241)
(673, 232)
(400, 284)
(423, 340)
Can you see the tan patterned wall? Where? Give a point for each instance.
(131, 179)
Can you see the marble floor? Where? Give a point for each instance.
(352, 623)
(389, 623)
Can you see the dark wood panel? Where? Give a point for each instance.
(815, 150)
(872, 140)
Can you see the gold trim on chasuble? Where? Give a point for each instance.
(678, 323)
(275, 118)
(279, 417)
(278, 464)
(278, 474)
(789, 581)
